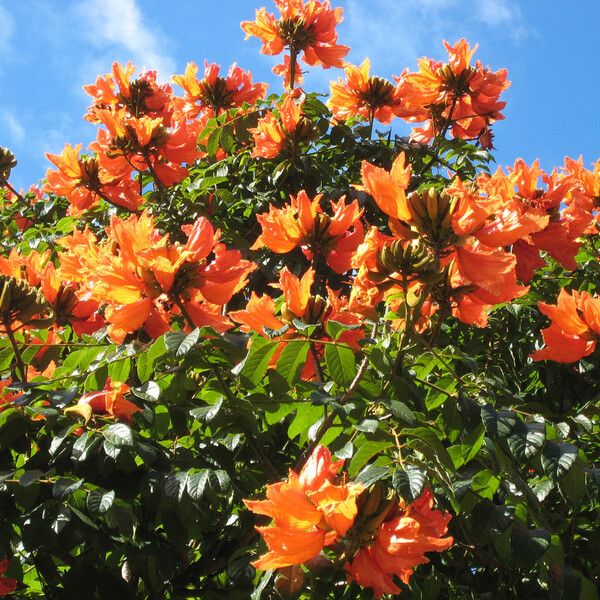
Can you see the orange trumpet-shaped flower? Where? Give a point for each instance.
(308, 28)
(214, 94)
(144, 271)
(303, 223)
(456, 95)
(364, 96)
(83, 182)
(141, 96)
(484, 267)
(274, 134)
(388, 187)
(574, 330)
(582, 199)
(109, 401)
(69, 303)
(308, 510)
(400, 545)
(145, 144)
(259, 313)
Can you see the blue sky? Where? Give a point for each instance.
(50, 48)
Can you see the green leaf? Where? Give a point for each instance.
(541, 488)
(30, 477)
(527, 439)
(179, 344)
(98, 502)
(306, 416)
(256, 363)
(427, 442)
(147, 360)
(557, 459)
(408, 482)
(65, 486)
(368, 425)
(119, 370)
(214, 141)
(485, 484)
(366, 452)
(341, 364)
(403, 412)
(292, 360)
(119, 435)
(473, 442)
(435, 398)
(196, 483)
(207, 413)
(498, 424)
(149, 391)
(334, 328)
(369, 475)
(528, 545)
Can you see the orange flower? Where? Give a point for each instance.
(142, 132)
(142, 96)
(68, 307)
(308, 510)
(83, 182)
(308, 28)
(145, 144)
(454, 95)
(582, 202)
(6, 397)
(303, 223)
(142, 273)
(521, 191)
(400, 545)
(484, 267)
(574, 330)
(215, 94)
(111, 401)
(273, 134)
(364, 96)
(388, 187)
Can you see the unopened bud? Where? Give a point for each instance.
(7, 163)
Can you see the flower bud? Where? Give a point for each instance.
(7, 163)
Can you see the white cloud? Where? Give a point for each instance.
(501, 13)
(396, 32)
(7, 28)
(13, 125)
(120, 23)
(495, 12)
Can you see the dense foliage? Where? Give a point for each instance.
(262, 346)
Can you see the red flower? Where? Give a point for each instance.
(575, 328)
(7, 585)
(109, 401)
(400, 545)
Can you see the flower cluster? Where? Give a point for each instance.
(455, 96)
(141, 133)
(308, 28)
(142, 279)
(317, 508)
